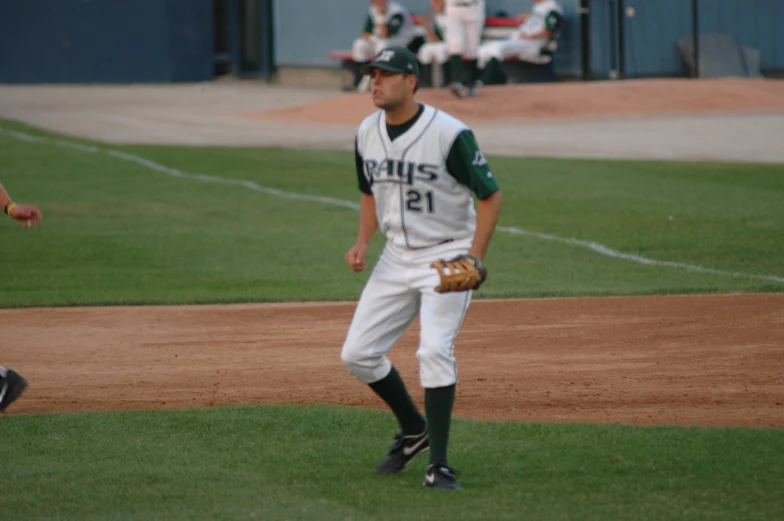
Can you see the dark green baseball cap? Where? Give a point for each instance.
(394, 59)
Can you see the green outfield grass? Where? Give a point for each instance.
(115, 231)
(317, 463)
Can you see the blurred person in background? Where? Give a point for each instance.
(388, 24)
(435, 52)
(465, 21)
(536, 30)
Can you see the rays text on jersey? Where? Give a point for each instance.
(395, 171)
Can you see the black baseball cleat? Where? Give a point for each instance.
(403, 451)
(11, 388)
(441, 476)
(473, 90)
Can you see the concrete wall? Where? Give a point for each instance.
(173, 40)
(112, 41)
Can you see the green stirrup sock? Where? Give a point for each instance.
(393, 391)
(456, 66)
(472, 66)
(438, 408)
(426, 75)
(491, 71)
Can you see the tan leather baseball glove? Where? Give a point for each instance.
(462, 273)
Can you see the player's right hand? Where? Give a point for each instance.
(29, 215)
(355, 257)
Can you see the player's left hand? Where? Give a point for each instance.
(29, 215)
(462, 273)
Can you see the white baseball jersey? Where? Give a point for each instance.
(440, 26)
(544, 15)
(422, 176)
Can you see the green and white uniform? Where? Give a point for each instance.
(423, 176)
(401, 30)
(544, 15)
(436, 52)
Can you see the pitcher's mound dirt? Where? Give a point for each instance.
(712, 360)
(561, 100)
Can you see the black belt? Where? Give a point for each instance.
(447, 241)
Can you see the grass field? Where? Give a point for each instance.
(185, 241)
(308, 463)
(116, 231)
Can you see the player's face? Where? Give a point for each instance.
(438, 5)
(381, 5)
(390, 90)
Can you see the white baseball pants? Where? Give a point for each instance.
(364, 50)
(464, 26)
(504, 48)
(434, 52)
(400, 286)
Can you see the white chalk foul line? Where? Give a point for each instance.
(594, 246)
(178, 173)
(609, 252)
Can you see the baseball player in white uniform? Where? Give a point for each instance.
(436, 49)
(417, 169)
(534, 31)
(388, 24)
(465, 23)
(434, 52)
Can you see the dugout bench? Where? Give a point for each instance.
(514, 69)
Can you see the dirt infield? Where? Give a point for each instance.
(632, 119)
(509, 103)
(714, 360)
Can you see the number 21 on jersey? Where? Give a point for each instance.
(417, 202)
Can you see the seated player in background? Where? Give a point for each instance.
(435, 52)
(535, 31)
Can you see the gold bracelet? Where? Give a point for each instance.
(10, 206)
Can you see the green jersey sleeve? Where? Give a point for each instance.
(364, 186)
(437, 32)
(553, 20)
(368, 25)
(468, 165)
(394, 25)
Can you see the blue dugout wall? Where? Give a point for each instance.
(119, 41)
(653, 27)
(112, 41)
